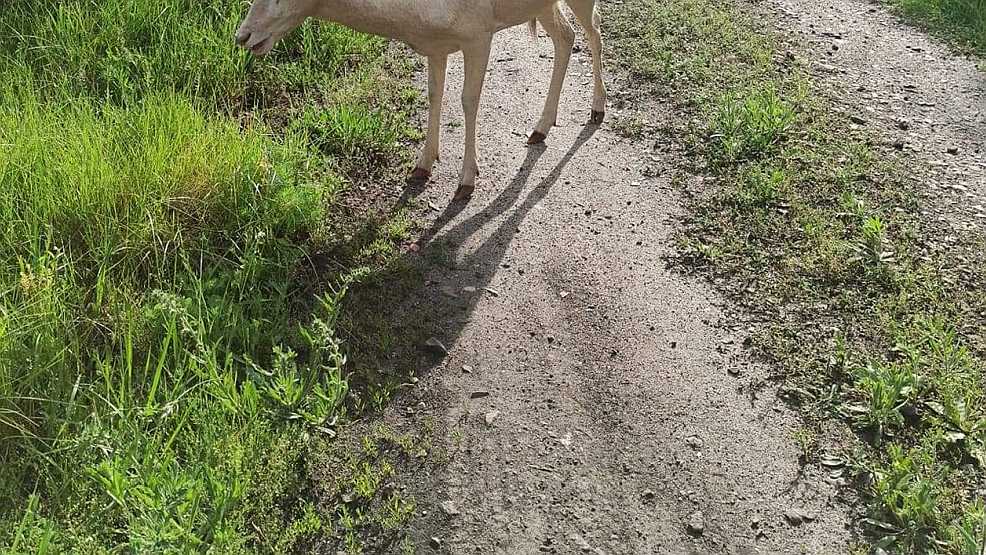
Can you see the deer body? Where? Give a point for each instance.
(437, 28)
(431, 28)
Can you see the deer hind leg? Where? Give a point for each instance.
(587, 14)
(563, 36)
(436, 90)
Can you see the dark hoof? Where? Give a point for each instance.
(464, 192)
(536, 138)
(597, 117)
(419, 176)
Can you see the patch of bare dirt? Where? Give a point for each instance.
(591, 400)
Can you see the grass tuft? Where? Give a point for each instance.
(749, 126)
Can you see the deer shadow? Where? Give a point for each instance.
(397, 314)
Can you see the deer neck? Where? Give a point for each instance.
(378, 17)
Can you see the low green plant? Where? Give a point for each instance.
(871, 247)
(762, 188)
(908, 497)
(120, 51)
(886, 389)
(348, 134)
(750, 125)
(963, 426)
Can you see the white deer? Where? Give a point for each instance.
(437, 28)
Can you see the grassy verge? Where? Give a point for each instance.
(873, 316)
(961, 20)
(174, 272)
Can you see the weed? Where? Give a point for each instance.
(762, 188)
(871, 247)
(342, 131)
(630, 126)
(749, 125)
(887, 390)
(807, 441)
(360, 505)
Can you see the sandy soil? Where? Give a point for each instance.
(592, 400)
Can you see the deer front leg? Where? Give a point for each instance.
(476, 56)
(563, 37)
(436, 90)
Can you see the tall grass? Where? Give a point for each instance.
(161, 350)
(963, 19)
(122, 49)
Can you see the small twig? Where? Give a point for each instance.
(541, 468)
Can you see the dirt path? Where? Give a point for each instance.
(908, 86)
(605, 409)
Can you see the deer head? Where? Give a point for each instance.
(268, 21)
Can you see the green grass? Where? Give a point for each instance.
(169, 324)
(118, 50)
(963, 20)
(869, 314)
